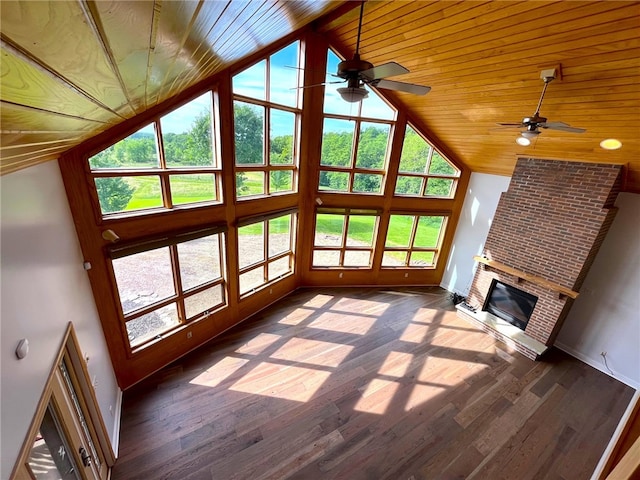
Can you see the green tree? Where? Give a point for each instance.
(114, 194)
(198, 145)
(249, 139)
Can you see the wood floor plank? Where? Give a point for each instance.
(371, 383)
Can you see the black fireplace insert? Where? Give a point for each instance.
(510, 304)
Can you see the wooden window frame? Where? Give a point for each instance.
(162, 171)
(267, 259)
(412, 237)
(343, 247)
(352, 170)
(266, 167)
(425, 176)
(180, 294)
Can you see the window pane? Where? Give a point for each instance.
(144, 278)
(251, 82)
(201, 302)
(399, 233)
(279, 267)
(152, 324)
(408, 185)
(199, 261)
(441, 166)
(282, 129)
(421, 259)
(186, 134)
(374, 107)
(361, 230)
(428, 232)
(248, 121)
(251, 279)
(439, 187)
(249, 183)
(251, 244)
(138, 150)
(372, 145)
(279, 235)
(394, 259)
(137, 192)
(415, 152)
(284, 76)
(357, 258)
(329, 229)
(337, 142)
(334, 181)
(280, 181)
(326, 258)
(367, 183)
(192, 188)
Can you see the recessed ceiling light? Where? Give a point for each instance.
(611, 144)
(524, 141)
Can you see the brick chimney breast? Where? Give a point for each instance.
(550, 223)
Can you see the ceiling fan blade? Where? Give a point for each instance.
(382, 71)
(402, 87)
(316, 85)
(562, 126)
(502, 124)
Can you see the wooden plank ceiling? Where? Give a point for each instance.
(72, 69)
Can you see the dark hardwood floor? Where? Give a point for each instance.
(367, 384)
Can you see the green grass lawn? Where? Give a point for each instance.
(191, 190)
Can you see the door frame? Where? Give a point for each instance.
(55, 393)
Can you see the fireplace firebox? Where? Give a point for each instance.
(510, 303)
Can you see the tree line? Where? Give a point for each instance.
(193, 148)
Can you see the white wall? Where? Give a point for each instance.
(480, 203)
(606, 315)
(43, 287)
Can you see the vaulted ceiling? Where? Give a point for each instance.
(71, 69)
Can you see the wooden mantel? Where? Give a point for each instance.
(527, 276)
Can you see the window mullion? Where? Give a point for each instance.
(177, 282)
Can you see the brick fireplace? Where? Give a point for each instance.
(544, 237)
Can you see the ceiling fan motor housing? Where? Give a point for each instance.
(533, 121)
(352, 68)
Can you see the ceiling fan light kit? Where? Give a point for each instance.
(533, 123)
(353, 94)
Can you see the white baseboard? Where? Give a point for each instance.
(598, 365)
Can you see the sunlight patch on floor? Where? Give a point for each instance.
(326, 354)
(298, 316)
(377, 396)
(215, 374)
(415, 333)
(318, 301)
(291, 383)
(356, 324)
(369, 307)
(396, 364)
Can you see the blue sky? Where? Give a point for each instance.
(251, 83)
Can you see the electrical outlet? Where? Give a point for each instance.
(189, 335)
(340, 275)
